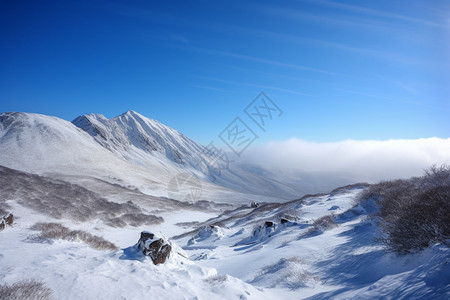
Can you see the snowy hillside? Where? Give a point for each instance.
(73, 270)
(317, 247)
(130, 150)
(75, 199)
(57, 148)
(141, 140)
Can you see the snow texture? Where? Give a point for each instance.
(108, 178)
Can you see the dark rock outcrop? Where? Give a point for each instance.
(6, 220)
(156, 248)
(269, 224)
(9, 219)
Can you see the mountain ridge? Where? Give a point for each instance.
(130, 150)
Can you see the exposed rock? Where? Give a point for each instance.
(6, 220)
(269, 224)
(254, 204)
(9, 219)
(157, 248)
(287, 222)
(260, 233)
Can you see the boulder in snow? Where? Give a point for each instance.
(157, 248)
(287, 222)
(9, 218)
(269, 224)
(6, 220)
(255, 204)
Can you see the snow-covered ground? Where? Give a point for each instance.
(298, 260)
(241, 259)
(74, 271)
(112, 178)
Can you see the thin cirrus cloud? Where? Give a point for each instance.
(262, 60)
(260, 86)
(339, 20)
(375, 12)
(368, 160)
(294, 39)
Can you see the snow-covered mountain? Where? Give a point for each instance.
(130, 150)
(133, 133)
(139, 139)
(104, 181)
(51, 146)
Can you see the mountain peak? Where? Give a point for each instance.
(131, 113)
(132, 131)
(136, 116)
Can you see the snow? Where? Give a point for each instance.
(222, 252)
(341, 263)
(282, 261)
(129, 150)
(75, 271)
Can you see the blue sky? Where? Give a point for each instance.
(338, 70)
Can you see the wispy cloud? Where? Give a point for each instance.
(308, 41)
(397, 83)
(266, 61)
(352, 21)
(375, 12)
(384, 98)
(259, 86)
(387, 55)
(355, 23)
(299, 78)
(210, 88)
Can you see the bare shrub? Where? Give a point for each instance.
(56, 231)
(437, 176)
(324, 223)
(296, 259)
(216, 279)
(287, 242)
(413, 213)
(421, 223)
(319, 225)
(63, 200)
(286, 272)
(289, 214)
(25, 289)
(134, 219)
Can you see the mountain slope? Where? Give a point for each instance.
(54, 147)
(132, 131)
(138, 152)
(136, 138)
(318, 247)
(129, 150)
(42, 144)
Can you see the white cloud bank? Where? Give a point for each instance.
(368, 160)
